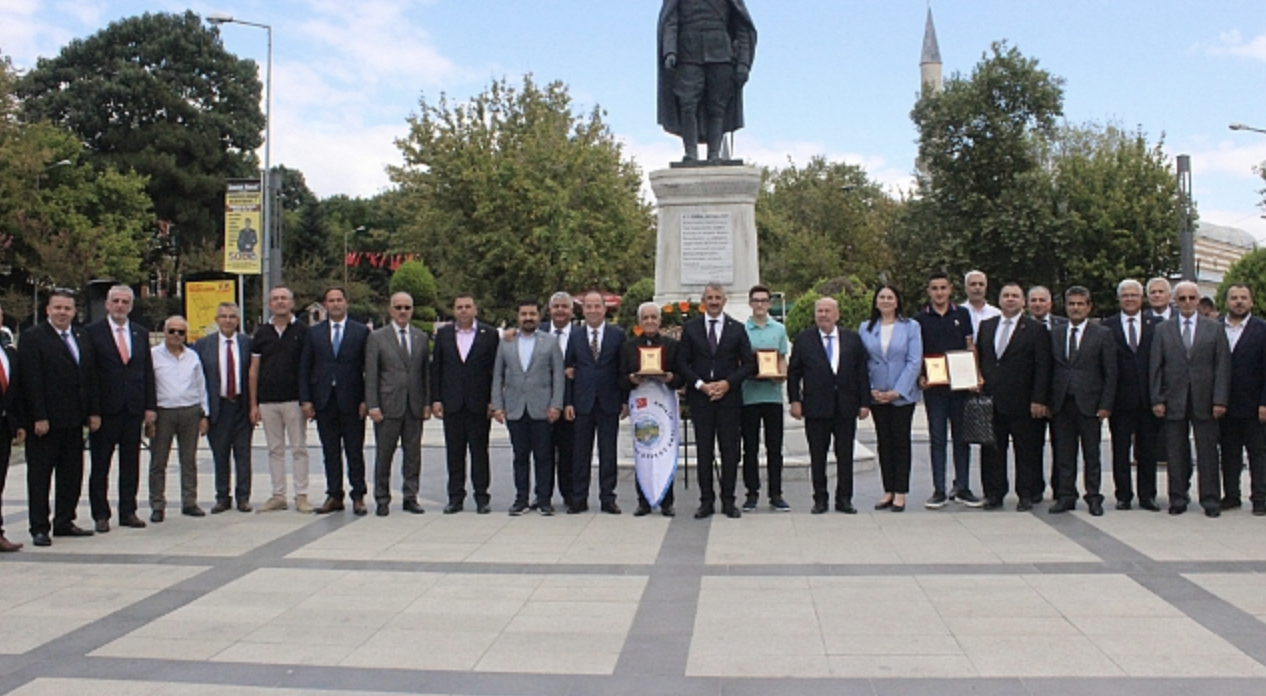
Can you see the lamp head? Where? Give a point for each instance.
(218, 18)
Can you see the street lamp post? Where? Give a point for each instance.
(346, 251)
(1242, 127)
(49, 168)
(271, 262)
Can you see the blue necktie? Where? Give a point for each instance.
(830, 350)
(338, 338)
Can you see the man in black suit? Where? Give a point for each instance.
(332, 391)
(714, 357)
(1083, 387)
(1015, 361)
(1133, 427)
(11, 429)
(59, 396)
(225, 357)
(125, 375)
(563, 435)
(1190, 387)
(828, 384)
(595, 403)
(1241, 427)
(461, 380)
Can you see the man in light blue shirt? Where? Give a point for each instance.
(762, 405)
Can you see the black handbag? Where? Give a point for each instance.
(978, 420)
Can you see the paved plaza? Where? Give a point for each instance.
(955, 601)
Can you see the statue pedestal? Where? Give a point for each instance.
(707, 233)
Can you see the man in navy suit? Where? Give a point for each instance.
(828, 384)
(226, 357)
(595, 403)
(59, 396)
(332, 390)
(10, 425)
(714, 357)
(125, 372)
(1133, 427)
(563, 435)
(1241, 427)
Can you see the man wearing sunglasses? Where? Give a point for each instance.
(182, 415)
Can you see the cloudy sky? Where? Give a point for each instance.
(832, 77)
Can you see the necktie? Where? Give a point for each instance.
(70, 346)
(338, 338)
(120, 340)
(230, 371)
(4, 380)
(1186, 334)
(1004, 339)
(830, 350)
(404, 341)
(712, 335)
(593, 344)
(1072, 345)
(1134, 337)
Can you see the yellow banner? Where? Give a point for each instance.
(202, 299)
(243, 227)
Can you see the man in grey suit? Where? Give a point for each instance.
(398, 396)
(1083, 388)
(1190, 387)
(527, 396)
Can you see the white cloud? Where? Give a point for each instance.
(1228, 157)
(88, 13)
(1232, 43)
(24, 37)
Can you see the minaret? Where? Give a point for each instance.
(930, 62)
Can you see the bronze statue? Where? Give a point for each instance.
(706, 48)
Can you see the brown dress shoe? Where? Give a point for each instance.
(7, 546)
(221, 506)
(330, 505)
(132, 521)
(358, 507)
(243, 506)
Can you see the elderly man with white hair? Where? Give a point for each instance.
(977, 284)
(182, 415)
(1136, 433)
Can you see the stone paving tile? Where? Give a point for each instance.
(40, 602)
(61, 687)
(1246, 591)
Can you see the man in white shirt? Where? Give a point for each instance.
(563, 436)
(182, 414)
(977, 306)
(226, 357)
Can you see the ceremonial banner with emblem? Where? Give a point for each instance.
(654, 414)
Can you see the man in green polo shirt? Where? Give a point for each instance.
(762, 405)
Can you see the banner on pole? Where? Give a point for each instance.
(202, 302)
(654, 414)
(243, 235)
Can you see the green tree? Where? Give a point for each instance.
(158, 95)
(513, 193)
(1249, 270)
(415, 278)
(308, 241)
(820, 220)
(637, 293)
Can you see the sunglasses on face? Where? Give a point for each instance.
(402, 308)
(176, 332)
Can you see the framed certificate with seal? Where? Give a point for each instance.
(650, 360)
(962, 369)
(767, 364)
(936, 369)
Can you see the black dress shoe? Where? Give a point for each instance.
(157, 516)
(846, 508)
(1096, 508)
(1149, 504)
(574, 509)
(412, 506)
(132, 521)
(192, 511)
(1231, 504)
(1259, 509)
(546, 509)
(611, 508)
(818, 508)
(704, 512)
(992, 503)
(518, 508)
(41, 539)
(642, 510)
(1024, 505)
(73, 531)
(102, 526)
(731, 511)
(483, 509)
(453, 508)
(221, 506)
(668, 511)
(383, 510)
(1212, 511)
(1062, 506)
(1125, 505)
(883, 504)
(1177, 509)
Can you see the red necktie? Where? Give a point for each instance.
(4, 380)
(231, 390)
(121, 342)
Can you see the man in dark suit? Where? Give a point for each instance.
(649, 318)
(1083, 387)
(1158, 299)
(1241, 427)
(563, 435)
(461, 393)
(11, 429)
(595, 403)
(1190, 389)
(332, 391)
(714, 358)
(397, 394)
(59, 396)
(226, 357)
(1039, 308)
(828, 384)
(125, 375)
(1015, 361)
(1134, 429)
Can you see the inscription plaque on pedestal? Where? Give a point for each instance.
(707, 248)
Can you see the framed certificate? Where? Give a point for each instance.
(936, 369)
(767, 364)
(650, 360)
(962, 369)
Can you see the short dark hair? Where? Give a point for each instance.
(1012, 284)
(938, 275)
(61, 292)
(333, 288)
(1078, 291)
(1206, 301)
(759, 288)
(1236, 286)
(463, 296)
(528, 302)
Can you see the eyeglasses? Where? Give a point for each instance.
(176, 332)
(402, 308)
(1188, 298)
